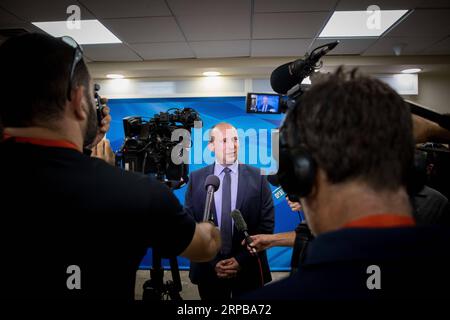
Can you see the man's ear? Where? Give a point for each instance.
(77, 105)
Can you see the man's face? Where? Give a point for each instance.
(265, 100)
(91, 122)
(225, 144)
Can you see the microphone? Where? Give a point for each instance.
(212, 183)
(273, 180)
(241, 226)
(289, 74)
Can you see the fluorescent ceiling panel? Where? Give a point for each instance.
(360, 23)
(87, 32)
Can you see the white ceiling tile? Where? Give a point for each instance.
(350, 5)
(220, 49)
(166, 50)
(280, 47)
(43, 10)
(423, 22)
(144, 30)
(8, 21)
(218, 27)
(288, 25)
(209, 7)
(441, 47)
(110, 52)
(293, 5)
(6, 18)
(411, 45)
(345, 46)
(125, 9)
(434, 4)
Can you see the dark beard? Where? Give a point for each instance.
(91, 126)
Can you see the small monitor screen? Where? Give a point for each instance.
(263, 103)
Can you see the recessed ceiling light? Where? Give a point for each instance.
(89, 31)
(346, 24)
(115, 76)
(412, 70)
(211, 73)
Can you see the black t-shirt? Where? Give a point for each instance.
(61, 208)
(432, 207)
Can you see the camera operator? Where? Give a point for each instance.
(78, 226)
(431, 207)
(355, 135)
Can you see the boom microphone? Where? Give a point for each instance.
(288, 75)
(241, 226)
(442, 120)
(212, 183)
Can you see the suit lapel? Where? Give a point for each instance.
(242, 186)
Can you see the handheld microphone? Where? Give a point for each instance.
(212, 183)
(288, 75)
(273, 180)
(241, 226)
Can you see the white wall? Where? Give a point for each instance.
(216, 86)
(434, 92)
(431, 90)
(193, 87)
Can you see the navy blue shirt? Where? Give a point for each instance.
(414, 262)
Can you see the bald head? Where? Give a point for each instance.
(224, 143)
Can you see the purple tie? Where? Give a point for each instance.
(226, 225)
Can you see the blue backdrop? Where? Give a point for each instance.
(212, 111)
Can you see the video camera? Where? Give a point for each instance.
(148, 145)
(147, 149)
(98, 104)
(287, 78)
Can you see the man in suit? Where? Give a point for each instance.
(265, 106)
(234, 270)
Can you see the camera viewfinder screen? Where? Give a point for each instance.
(263, 103)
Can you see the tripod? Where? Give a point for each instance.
(155, 288)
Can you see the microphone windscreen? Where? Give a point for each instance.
(281, 79)
(212, 180)
(273, 180)
(239, 221)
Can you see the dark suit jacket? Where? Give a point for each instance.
(269, 108)
(414, 263)
(254, 200)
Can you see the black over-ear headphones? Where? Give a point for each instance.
(296, 168)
